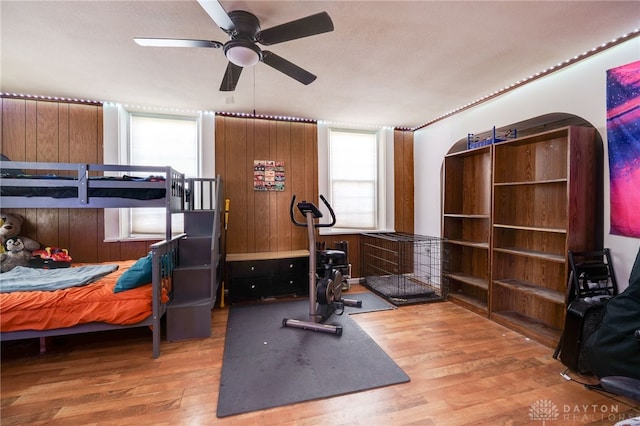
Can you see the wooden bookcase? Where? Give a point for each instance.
(544, 190)
(512, 211)
(466, 226)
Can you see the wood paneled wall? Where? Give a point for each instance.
(403, 181)
(34, 130)
(259, 220)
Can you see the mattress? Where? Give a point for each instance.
(149, 188)
(96, 302)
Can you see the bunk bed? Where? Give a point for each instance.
(70, 185)
(75, 185)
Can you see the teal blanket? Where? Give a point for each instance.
(22, 278)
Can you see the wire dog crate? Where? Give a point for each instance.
(404, 268)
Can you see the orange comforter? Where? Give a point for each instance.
(96, 302)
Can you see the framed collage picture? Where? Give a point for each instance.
(268, 175)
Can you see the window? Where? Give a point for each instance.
(137, 138)
(355, 166)
(152, 142)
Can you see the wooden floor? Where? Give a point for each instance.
(464, 370)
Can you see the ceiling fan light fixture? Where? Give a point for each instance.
(242, 53)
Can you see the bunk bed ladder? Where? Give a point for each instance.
(196, 279)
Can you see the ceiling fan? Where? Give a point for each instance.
(243, 29)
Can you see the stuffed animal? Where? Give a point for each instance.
(11, 227)
(15, 255)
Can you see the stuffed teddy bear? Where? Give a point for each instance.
(15, 255)
(11, 225)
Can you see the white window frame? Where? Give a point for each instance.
(116, 124)
(385, 182)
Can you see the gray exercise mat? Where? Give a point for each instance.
(267, 365)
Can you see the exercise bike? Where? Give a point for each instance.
(325, 293)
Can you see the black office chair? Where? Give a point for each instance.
(623, 386)
(613, 351)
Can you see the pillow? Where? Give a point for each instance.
(137, 275)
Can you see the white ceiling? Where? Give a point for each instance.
(400, 63)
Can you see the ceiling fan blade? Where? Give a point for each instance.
(303, 27)
(231, 77)
(216, 12)
(176, 42)
(288, 68)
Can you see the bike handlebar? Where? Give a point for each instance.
(305, 207)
